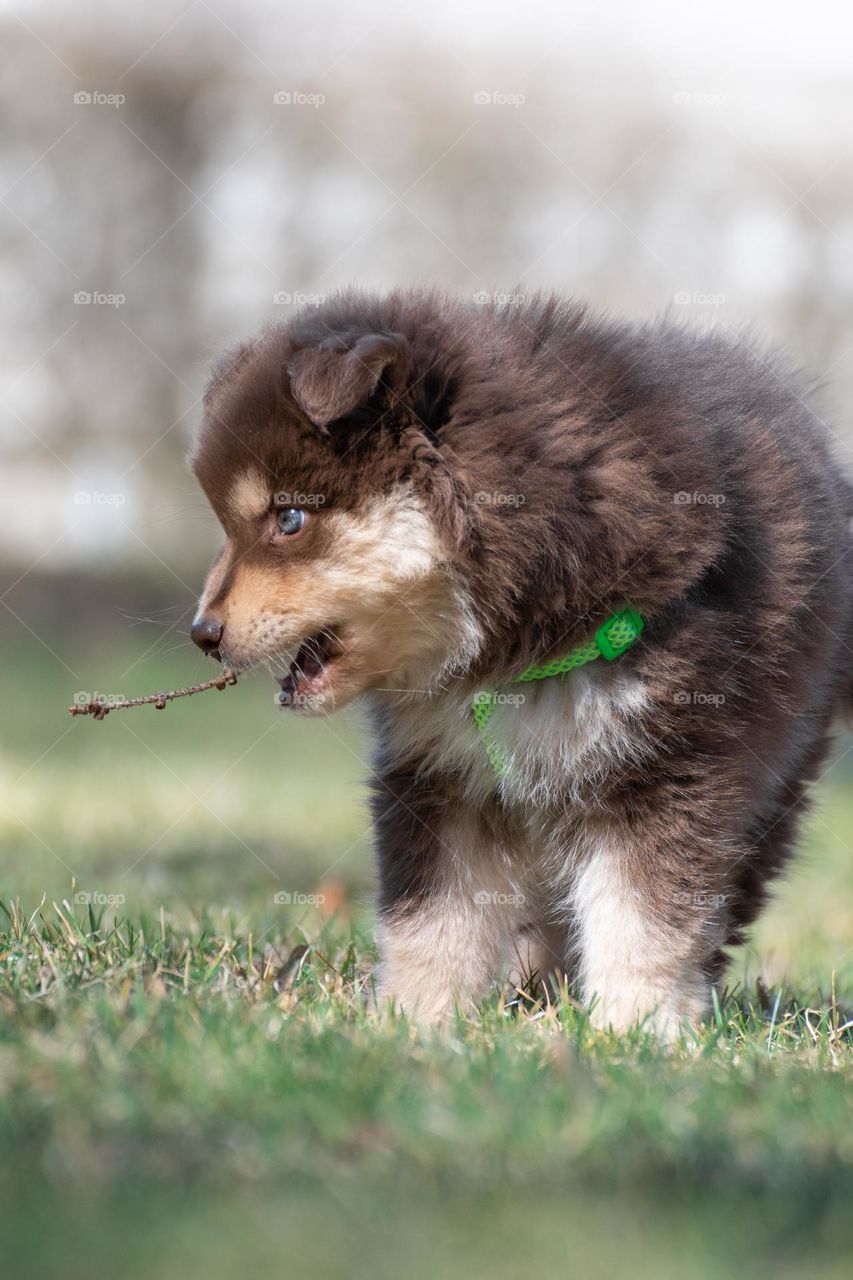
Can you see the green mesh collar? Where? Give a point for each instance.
(610, 641)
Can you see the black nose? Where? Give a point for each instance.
(206, 631)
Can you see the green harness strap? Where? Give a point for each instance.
(610, 641)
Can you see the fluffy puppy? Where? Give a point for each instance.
(422, 497)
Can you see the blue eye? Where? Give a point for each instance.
(291, 520)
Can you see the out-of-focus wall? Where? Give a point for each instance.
(174, 175)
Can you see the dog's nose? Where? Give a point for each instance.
(206, 631)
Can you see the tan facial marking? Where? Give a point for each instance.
(249, 496)
(376, 580)
(372, 558)
(390, 543)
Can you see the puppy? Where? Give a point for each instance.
(593, 582)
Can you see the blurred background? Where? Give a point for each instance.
(177, 174)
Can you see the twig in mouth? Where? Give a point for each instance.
(99, 708)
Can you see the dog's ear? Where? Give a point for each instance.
(330, 380)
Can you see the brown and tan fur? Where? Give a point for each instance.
(482, 488)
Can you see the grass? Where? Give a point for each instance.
(195, 1079)
(244, 1106)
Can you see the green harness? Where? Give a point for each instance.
(610, 641)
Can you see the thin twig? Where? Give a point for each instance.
(101, 707)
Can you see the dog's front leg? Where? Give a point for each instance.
(448, 900)
(648, 922)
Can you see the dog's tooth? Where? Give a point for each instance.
(288, 689)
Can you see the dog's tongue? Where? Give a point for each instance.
(310, 663)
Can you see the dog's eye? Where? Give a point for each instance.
(290, 520)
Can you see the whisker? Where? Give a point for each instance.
(182, 644)
(156, 646)
(152, 622)
(150, 614)
(429, 693)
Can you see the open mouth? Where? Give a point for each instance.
(309, 668)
